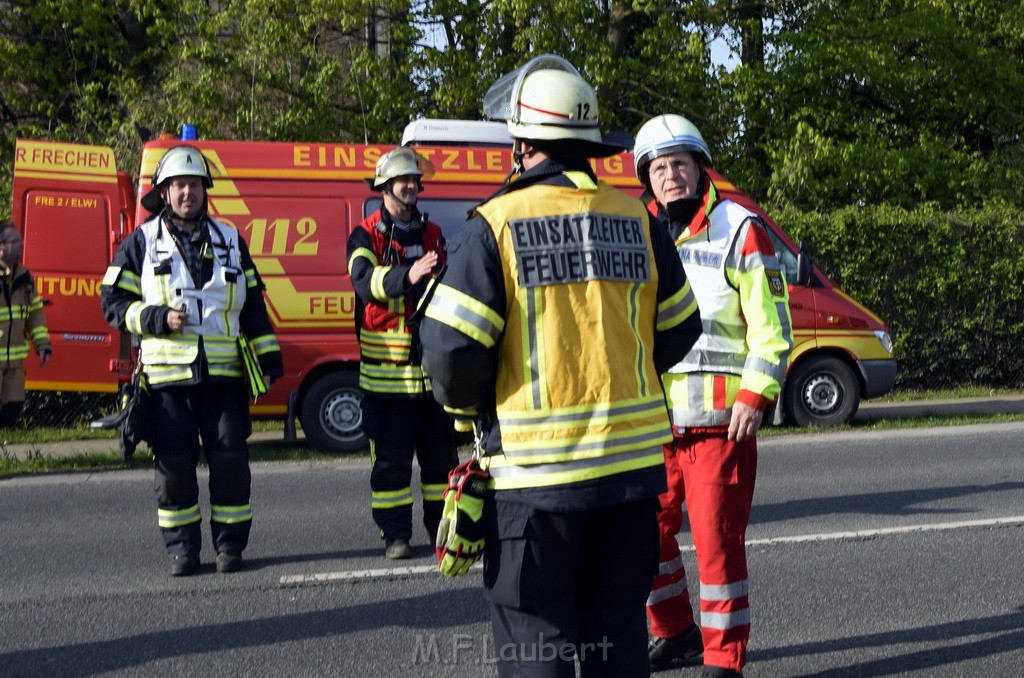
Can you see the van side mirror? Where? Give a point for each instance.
(803, 264)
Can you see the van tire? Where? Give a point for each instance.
(821, 391)
(331, 413)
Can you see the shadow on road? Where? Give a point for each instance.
(460, 607)
(901, 503)
(954, 646)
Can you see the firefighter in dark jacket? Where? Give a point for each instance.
(391, 257)
(560, 306)
(185, 283)
(21, 324)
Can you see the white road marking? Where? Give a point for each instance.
(389, 572)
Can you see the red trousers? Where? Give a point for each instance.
(715, 478)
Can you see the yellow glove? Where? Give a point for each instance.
(460, 536)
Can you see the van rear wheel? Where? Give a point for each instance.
(331, 413)
(822, 391)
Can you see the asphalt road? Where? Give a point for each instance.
(871, 554)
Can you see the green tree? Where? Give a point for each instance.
(896, 102)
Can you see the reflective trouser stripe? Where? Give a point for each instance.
(391, 498)
(230, 514)
(168, 518)
(729, 594)
(667, 592)
(725, 620)
(434, 492)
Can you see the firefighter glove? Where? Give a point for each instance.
(460, 536)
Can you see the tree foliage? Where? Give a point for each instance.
(896, 102)
(826, 104)
(910, 107)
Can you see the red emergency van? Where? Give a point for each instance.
(296, 203)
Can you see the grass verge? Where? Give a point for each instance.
(31, 459)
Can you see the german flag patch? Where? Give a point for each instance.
(776, 283)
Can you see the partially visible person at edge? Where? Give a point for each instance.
(185, 283)
(391, 257)
(21, 321)
(560, 306)
(716, 395)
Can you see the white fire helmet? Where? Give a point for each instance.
(182, 161)
(663, 135)
(546, 99)
(178, 161)
(399, 162)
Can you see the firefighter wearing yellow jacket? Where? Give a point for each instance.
(186, 285)
(21, 322)
(716, 395)
(560, 305)
(391, 257)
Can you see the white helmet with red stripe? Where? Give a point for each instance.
(546, 99)
(666, 134)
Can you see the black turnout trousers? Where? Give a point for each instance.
(570, 585)
(217, 413)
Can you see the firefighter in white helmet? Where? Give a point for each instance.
(716, 395)
(391, 256)
(560, 306)
(185, 284)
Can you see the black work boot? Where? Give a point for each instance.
(664, 653)
(184, 564)
(397, 549)
(229, 561)
(718, 672)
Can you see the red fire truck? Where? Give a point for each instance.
(295, 204)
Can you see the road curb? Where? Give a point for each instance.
(868, 411)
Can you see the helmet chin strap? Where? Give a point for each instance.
(517, 160)
(408, 206)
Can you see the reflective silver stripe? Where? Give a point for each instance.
(133, 317)
(722, 361)
(725, 620)
(264, 344)
(523, 453)
(504, 468)
(388, 345)
(667, 592)
(164, 374)
(595, 413)
(692, 412)
(231, 514)
(391, 498)
(670, 566)
(168, 518)
(433, 492)
(674, 311)
(465, 314)
(377, 283)
(179, 349)
(15, 353)
(635, 291)
(731, 591)
(775, 371)
(534, 330)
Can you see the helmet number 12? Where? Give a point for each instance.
(583, 111)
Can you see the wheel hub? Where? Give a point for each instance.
(822, 395)
(342, 415)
